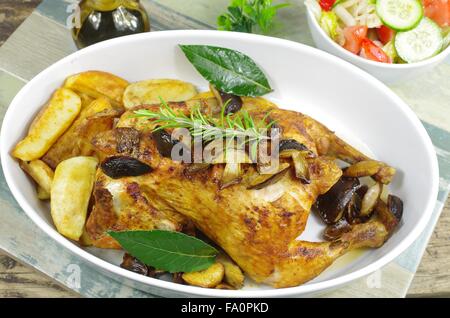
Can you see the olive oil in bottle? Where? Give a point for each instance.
(106, 19)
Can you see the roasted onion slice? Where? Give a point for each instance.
(259, 181)
(370, 200)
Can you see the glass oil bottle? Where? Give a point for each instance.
(106, 19)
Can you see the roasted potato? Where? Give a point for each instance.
(233, 274)
(85, 239)
(42, 174)
(208, 278)
(76, 141)
(71, 191)
(98, 84)
(150, 91)
(62, 110)
(42, 194)
(203, 95)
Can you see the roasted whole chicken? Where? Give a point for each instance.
(258, 227)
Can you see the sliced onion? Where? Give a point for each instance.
(232, 174)
(301, 167)
(259, 181)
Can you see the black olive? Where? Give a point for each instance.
(334, 231)
(332, 204)
(164, 143)
(291, 144)
(233, 102)
(123, 166)
(395, 205)
(133, 264)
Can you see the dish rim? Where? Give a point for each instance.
(358, 59)
(205, 292)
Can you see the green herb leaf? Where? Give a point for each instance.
(166, 250)
(230, 71)
(240, 125)
(245, 15)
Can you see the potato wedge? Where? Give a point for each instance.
(41, 173)
(85, 239)
(208, 278)
(203, 95)
(98, 84)
(76, 141)
(149, 92)
(233, 273)
(62, 110)
(71, 190)
(42, 194)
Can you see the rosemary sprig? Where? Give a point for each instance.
(240, 126)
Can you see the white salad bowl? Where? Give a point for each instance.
(358, 107)
(387, 73)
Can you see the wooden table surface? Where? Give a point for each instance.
(16, 280)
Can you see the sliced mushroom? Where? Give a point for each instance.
(331, 205)
(334, 231)
(177, 278)
(259, 181)
(153, 272)
(291, 144)
(395, 206)
(370, 200)
(133, 264)
(233, 103)
(123, 166)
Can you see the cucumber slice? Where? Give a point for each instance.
(420, 43)
(400, 15)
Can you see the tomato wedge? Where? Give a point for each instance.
(326, 5)
(438, 10)
(385, 34)
(373, 52)
(353, 38)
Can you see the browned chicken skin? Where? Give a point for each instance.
(257, 228)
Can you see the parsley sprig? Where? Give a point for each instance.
(245, 15)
